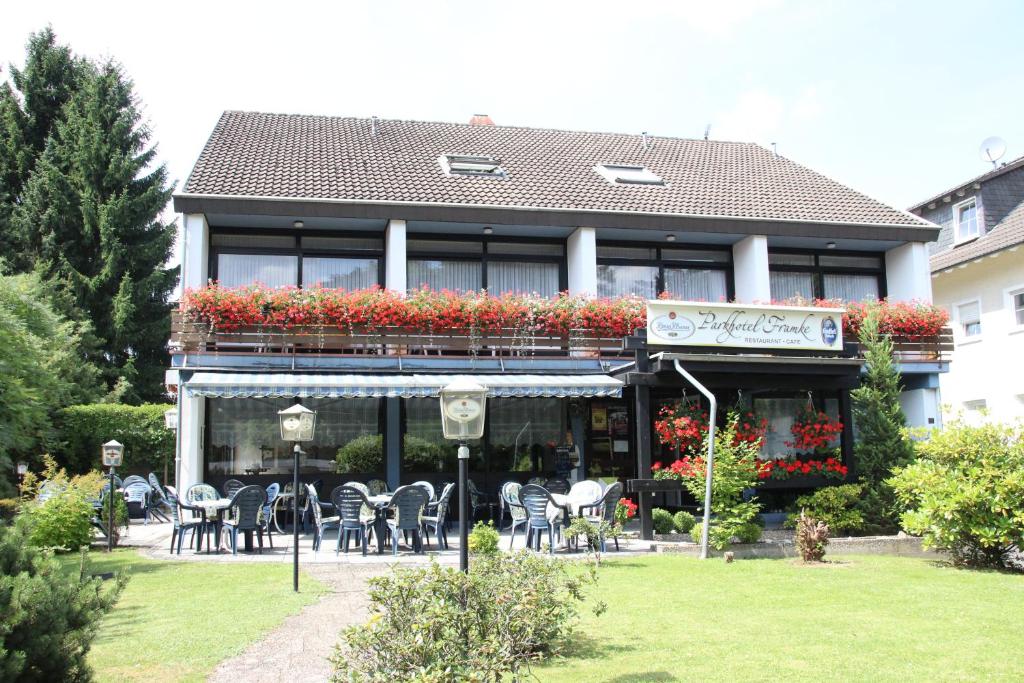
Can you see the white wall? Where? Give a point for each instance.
(195, 261)
(190, 422)
(581, 261)
(921, 406)
(989, 366)
(750, 265)
(395, 256)
(907, 275)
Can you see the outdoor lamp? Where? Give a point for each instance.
(22, 469)
(297, 425)
(113, 453)
(171, 418)
(462, 417)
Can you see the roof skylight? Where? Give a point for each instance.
(625, 174)
(470, 164)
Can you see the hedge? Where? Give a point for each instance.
(147, 442)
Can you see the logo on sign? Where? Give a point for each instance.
(673, 326)
(829, 331)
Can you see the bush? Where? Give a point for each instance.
(49, 616)
(811, 538)
(148, 444)
(434, 624)
(421, 455)
(483, 539)
(683, 521)
(749, 532)
(662, 520)
(363, 454)
(836, 506)
(64, 520)
(965, 493)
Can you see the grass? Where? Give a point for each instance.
(859, 619)
(176, 620)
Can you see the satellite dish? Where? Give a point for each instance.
(992, 149)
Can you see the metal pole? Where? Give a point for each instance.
(463, 507)
(711, 455)
(296, 452)
(110, 516)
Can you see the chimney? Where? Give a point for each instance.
(481, 120)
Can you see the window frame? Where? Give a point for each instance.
(818, 271)
(641, 175)
(957, 239)
(297, 249)
(959, 335)
(663, 264)
(485, 257)
(1009, 294)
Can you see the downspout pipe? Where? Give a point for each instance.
(711, 453)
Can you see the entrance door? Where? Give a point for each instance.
(610, 441)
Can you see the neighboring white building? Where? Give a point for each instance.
(977, 269)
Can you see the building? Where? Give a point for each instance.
(351, 203)
(977, 269)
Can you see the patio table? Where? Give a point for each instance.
(219, 506)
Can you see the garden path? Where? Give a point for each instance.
(298, 650)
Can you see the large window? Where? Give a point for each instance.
(686, 274)
(314, 260)
(521, 436)
(244, 434)
(781, 413)
(846, 277)
(498, 266)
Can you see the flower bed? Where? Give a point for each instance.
(233, 308)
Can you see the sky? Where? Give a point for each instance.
(890, 98)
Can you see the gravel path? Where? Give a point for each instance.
(298, 649)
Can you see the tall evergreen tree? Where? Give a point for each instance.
(91, 212)
(50, 77)
(881, 441)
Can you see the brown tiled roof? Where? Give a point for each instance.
(1009, 232)
(329, 158)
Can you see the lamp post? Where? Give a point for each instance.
(171, 422)
(462, 418)
(113, 452)
(297, 425)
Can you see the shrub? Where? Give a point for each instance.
(421, 455)
(836, 506)
(362, 454)
(120, 514)
(64, 520)
(148, 444)
(49, 616)
(483, 539)
(683, 521)
(435, 624)
(662, 520)
(749, 532)
(811, 538)
(965, 493)
(882, 443)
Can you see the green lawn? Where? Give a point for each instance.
(860, 619)
(176, 620)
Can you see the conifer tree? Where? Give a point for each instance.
(881, 441)
(91, 213)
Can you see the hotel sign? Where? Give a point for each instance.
(684, 323)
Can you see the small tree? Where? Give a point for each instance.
(48, 616)
(882, 443)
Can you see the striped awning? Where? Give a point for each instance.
(273, 385)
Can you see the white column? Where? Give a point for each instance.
(581, 262)
(750, 270)
(195, 251)
(190, 423)
(907, 274)
(394, 256)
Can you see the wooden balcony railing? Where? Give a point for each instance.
(937, 349)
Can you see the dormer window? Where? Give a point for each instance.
(471, 164)
(625, 174)
(966, 225)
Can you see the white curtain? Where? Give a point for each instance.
(339, 273)
(522, 278)
(616, 281)
(692, 284)
(851, 287)
(456, 276)
(235, 270)
(789, 285)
